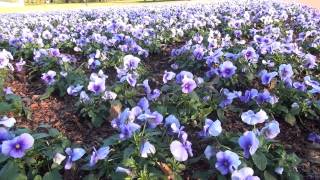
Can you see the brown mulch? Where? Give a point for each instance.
(58, 113)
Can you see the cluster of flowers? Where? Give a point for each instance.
(273, 43)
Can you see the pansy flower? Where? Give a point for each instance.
(99, 154)
(249, 143)
(18, 146)
(227, 162)
(252, 118)
(73, 155)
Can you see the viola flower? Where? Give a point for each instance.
(310, 61)
(266, 77)
(147, 148)
(7, 90)
(84, 98)
(58, 158)
(151, 95)
(18, 146)
(132, 79)
(168, 76)
(230, 96)
(246, 173)
(211, 128)
(143, 103)
(73, 155)
(73, 90)
(97, 85)
(227, 162)
(299, 86)
(123, 170)
(181, 150)
(46, 35)
(227, 69)
(285, 71)
(127, 130)
(54, 52)
(314, 137)
(4, 135)
(248, 95)
(20, 64)
(252, 118)
(249, 143)
(250, 55)
(279, 170)
(209, 152)
(7, 122)
(188, 85)
(93, 64)
(48, 77)
(182, 75)
(271, 129)
(198, 53)
(121, 119)
(131, 62)
(171, 119)
(101, 154)
(5, 57)
(153, 119)
(109, 95)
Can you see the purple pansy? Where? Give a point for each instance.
(48, 77)
(271, 129)
(131, 62)
(99, 154)
(97, 85)
(167, 76)
(285, 71)
(227, 69)
(211, 128)
(227, 162)
(73, 155)
(181, 150)
(314, 137)
(310, 61)
(18, 146)
(252, 118)
(249, 143)
(182, 75)
(153, 119)
(209, 152)
(246, 173)
(7, 122)
(188, 85)
(147, 148)
(74, 90)
(266, 77)
(127, 130)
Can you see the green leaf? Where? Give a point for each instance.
(4, 107)
(291, 119)
(260, 160)
(292, 175)
(9, 171)
(40, 135)
(52, 175)
(37, 177)
(3, 158)
(53, 132)
(112, 140)
(268, 176)
(48, 93)
(128, 152)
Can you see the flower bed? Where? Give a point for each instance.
(184, 91)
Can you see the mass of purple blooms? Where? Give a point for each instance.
(207, 84)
